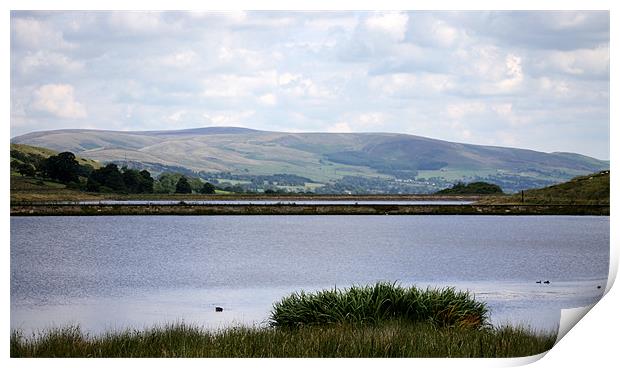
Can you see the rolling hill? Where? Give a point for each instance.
(339, 161)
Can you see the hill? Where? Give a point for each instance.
(587, 189)
(330, 162)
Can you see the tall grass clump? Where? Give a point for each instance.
(378, 303)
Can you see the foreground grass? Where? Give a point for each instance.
(394, 338)
(381, 320)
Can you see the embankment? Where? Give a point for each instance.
(302, 209)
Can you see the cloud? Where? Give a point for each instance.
(136, 21)
(180, 59)
(300, 86)
(37, 35)
(268, 99)
(458, 111)
(471, 76)
(234, 86)
(48, 61)
(588, 63)
(57, 100)
(514, 73)
(431, 31)
(228, 118)
(551, 30)
(408, 85)
(176, 116)
(392, 24)
(341, 127)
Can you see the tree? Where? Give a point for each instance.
(208, 188)
(25, 169)
(146, 182)
(131, 179)
(62, 167)
(109, 177)
(183, 186)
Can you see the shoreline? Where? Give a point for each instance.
(47, 209)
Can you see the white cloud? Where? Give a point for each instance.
(503, 109)
(514, 73)
(582, 62)
(371, 119)
(347, 23)
(287, 78)
(49, 60)
(37, 35)
(228, 118)
(234, 86)
(177, 116)
(180, 59)
(490, 70)
(341, 127)
(268, 99)
(393, 24)
(356, 122)
(460, 110)
(136, 21)
(443, 33)
(57, 100)
(410, 84)
(298, 85)
(241, 58)
(554, 87)
(430, 31)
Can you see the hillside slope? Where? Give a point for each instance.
(587, 189)
(423, 164)
(46, 152)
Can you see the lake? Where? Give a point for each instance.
(115, 272)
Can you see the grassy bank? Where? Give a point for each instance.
(582, 190)
(395, 338)
(302, 209)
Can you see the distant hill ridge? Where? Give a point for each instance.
(391, 160)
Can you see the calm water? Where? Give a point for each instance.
(266, 202)
(137, 271)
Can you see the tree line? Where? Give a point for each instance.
(64, 168)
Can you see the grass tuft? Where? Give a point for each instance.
(379, 303)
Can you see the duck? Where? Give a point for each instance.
(547, 282)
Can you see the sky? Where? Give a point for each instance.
(530, 79)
